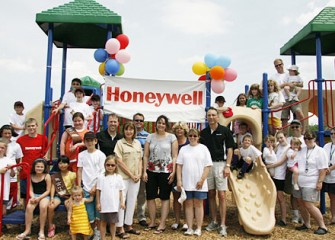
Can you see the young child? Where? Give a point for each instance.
(275, 101)
(243, 130)
(294, 92)
(80, 106)
(17, 119)
(62, 184)
(110, 197)
(219, 101)
(90, 167)
(97, 113)
(247, 154)
(292, 162)
(255, 100)
(269, 154)
(5, 163)
(40, 185)
(77, 215)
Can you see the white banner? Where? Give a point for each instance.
(178, 100)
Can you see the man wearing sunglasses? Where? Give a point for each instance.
(296, 131)
(141, 135)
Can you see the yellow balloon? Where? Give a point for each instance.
(102, 69)
(199, 68)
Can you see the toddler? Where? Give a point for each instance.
(269, 154)
(294, 92)
(292, 162)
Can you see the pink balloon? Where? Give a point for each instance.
(230, 74)
(112, 46)
(122, 56)
(217, 86)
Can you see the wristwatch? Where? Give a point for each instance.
(227, 165)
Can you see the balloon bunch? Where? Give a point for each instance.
(215, 68)
(113, 56)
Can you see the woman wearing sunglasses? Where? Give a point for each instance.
(312, 166)
(329, 183)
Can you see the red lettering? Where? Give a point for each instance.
(150, 97)
(187, 99)
(126, 96)
(174, 98)
(138, 97)
(110, 93)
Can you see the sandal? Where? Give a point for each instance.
(150, 228)
(133, 231)
(22, 236)
(175, 226)
(159, 231)
(41, 237)
(123, 235)
(52, 231)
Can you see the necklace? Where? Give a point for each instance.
(331, 153)
(308, 154)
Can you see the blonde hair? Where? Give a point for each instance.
(77, 189)
(275, 84)
(181, 125)
(111, 157)
(295, 140)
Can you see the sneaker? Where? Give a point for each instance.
(189, 232)
(296, 187)
(295, 219)
(197, 232)
(96, 235)
(295, 98)
(290, 98)
(222, 230)
(212, 226)
(185, 227)
(302, 228)
(321, 231)
(240, 175)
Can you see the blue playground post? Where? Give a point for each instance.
(265, 109)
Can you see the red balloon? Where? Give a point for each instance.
(112, 56)
(202, 78)
(124, 41)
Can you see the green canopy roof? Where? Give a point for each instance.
(303, 43)
(80, 24)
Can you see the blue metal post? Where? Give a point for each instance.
(246, 89)
(319, 81)
(265, 109)
(293, 60)
(208, 93)
(48, 93)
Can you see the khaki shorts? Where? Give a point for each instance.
(216, 179)
(307, 194)
(285, 114)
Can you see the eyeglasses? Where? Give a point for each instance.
(138, 120)
(278, 65)
(110, 165)
(193, 136)
(308, 138)
(295, 127)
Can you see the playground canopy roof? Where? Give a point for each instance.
(303, 43)
(80, 24)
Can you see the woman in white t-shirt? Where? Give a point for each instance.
(312, 166)
(328, 184)
(193, 164)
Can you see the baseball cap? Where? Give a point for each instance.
(18, 104)
(295, 121)
(90, 135)
(293, 68)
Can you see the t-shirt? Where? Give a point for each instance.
(14, 152)
(110, 187)
(281, 78)
(310, 162)
(258, 102)
(251, 152)
(294, 79)
(32, 148)
(269, 158)
(274, 99)
(67, 99)
(291, 162)
(142, 136)
(95, 115)
(68, 180)
(160, 159)
(18, 120)
(81, 107)
(330, 152)
(93, 166)
(280, 171)
(301, 138)
(194, 159)
(3, 163)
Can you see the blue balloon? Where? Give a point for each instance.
(100, 55)
(112, 66)
(210, 60)
(223, 61)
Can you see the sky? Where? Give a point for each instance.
(166, 38)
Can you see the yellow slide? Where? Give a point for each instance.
(255, 194)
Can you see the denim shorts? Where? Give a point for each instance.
(196, 195)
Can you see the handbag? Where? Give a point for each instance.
(228, 113)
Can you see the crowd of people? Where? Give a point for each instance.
(103, 177)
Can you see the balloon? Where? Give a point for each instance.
(122, 56)
(112, 46)
(121, 70)
(210, 60)
(199, 68)
(217, 73)
(124, 41)
(100, 55)
(217, 86)
(112, 66)
(230, 74)
(202, 78)
(223, 61)
(102, 69)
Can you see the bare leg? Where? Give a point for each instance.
(164, 213)
(51, 211)
(152, 211)
(304, 213)
(332, 206)
(282, 205)
(29, 217)
(103, 225)
(199, 212)
(212, 203)
(44, 203)
(315, 213)
(112, 229)
(223, 207)
(189, 212)
(176, 206)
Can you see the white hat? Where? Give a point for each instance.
(294, 68)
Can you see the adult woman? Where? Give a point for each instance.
(180, 129)
(280, 173)
(193, 164)
(128, 152)
(73, 138)
(312, 165)
(160, 154)
(329, 182)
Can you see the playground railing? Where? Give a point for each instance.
(54, 119)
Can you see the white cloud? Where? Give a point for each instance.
(331, 3)
(305, 18)
(196, 17)
(18, 64)
(286, 20)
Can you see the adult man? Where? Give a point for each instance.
(282, 79)
(141, 135)
(220, 143)
(33, 146)
(108, 138)
(296, 131)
